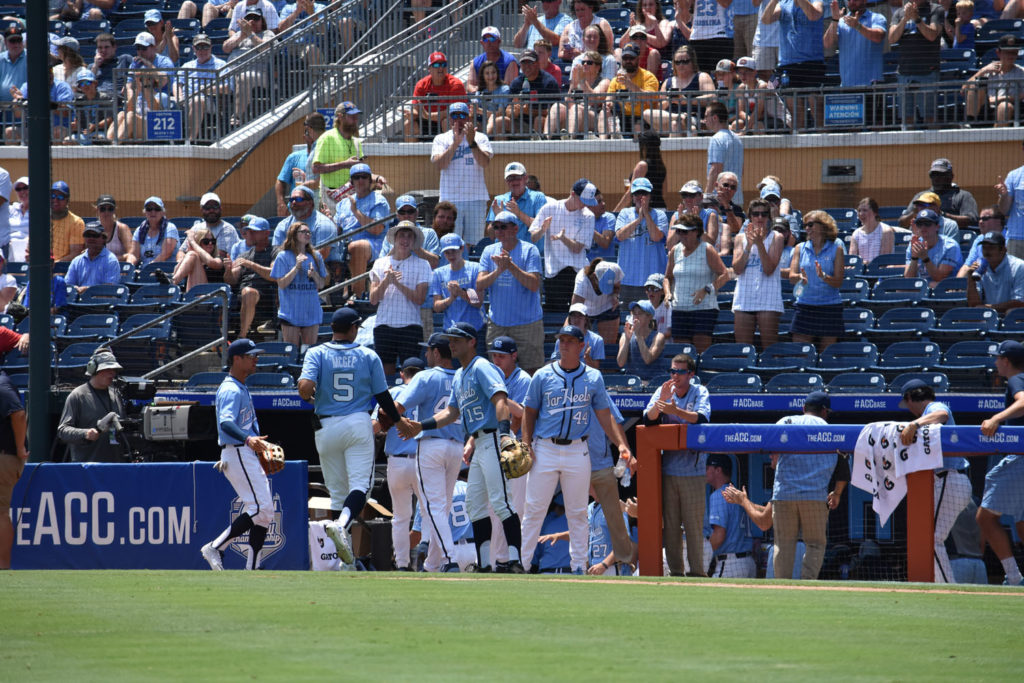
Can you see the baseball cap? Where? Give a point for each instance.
(153, 16)
(504, 217)
(945, 165)
(637, 30)
(490, 31)
(995, 238)
(154, 200)
(685, 227)
(14, 29)
(741, 63)
(145, 38)
(348, 107)
(782, 223)
(452, 241)
(630, 50)
(655, 280)
(435, 340)
(926, 215)
(691, 187)
(586, 191)
(725, 65)
(256, 223)
(406, 200)
(720, 460)
(460, 330)
(515, 168)
(645, 306)
(106, 200)
(817, 399)
(436, 57)
(458, 108)
(104, 359)
(359, 168)
(771, 190)
(578, 307)
(528, 56)
(1009, 42)
(254, 11)
(570, 331)
(908, 387)
(209, 197)
(243, 347)
(306, 190)
(605, 277)
(927, 197)
(503, 344)
(86, 76)
(1012, 351)
(62, 187)
(68, 41)
(345, 317)
(23, 180)
(641, 185)
(201, 39)
(93, 227)
(412, 362)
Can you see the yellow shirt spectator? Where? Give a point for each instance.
(643, 80)
(66, 237)
(331, 148)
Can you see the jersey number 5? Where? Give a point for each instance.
(343, 387)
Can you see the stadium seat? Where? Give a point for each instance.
(15, 362)
(127, 272)
(727, 357)
(19, 380)
(205, 380)
(7, 321)
(794, 383)
(72, 361)
(908, 356)
(675, 348)
(844, 357)
(270, 380)
(896, 291)
(725, 294)
(970, 363)
(786, 357)
(58, 324)
(160, 332)
(959, 58)
(853, 291)
(886, 266)
(151, 299)
(1012, 326)
(144, 275)
(201, 324)
(961, 324)
(92, 327)
(98, 299)
(937, 380)
(901, 324)
(948, 294)
(735, 383)
(857, 320)
(277, 356)
(857, 383)
(627, 382)
(853, 265)
(725, 325)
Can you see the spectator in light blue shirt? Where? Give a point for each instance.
(860, 36)
(97, 265)
(520, 201)
(640, 230)
(548, 24)
(298, 166)
(453, 286)
(13, 62)
(929, 254)
(1000, 275)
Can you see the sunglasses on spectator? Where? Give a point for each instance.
(15, 39)
(211, 207)
(93, 235)
(980, 218)
(773, 200)
(207, 241)
(489, 39)
(681, 61)
(762, 214)
(822, 224)
(629, 58)
(153, 208)
(642, 193)
(296, 200)
(23, 188)
(689, 195)
(730, 186)
(503, 226)
(361, 176)
(406, 212)
(652, 288)
(202, 46)
(58, 195)
(588, 62)
(677, 371)
(106, 208)
(439, 65)
(925, 224)
(303, 232)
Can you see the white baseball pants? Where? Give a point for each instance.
(250, 483)
(570, 466)
(345, 445)
(403, 486)
(437, 468)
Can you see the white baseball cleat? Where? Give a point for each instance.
(212, 557)
(342, 545)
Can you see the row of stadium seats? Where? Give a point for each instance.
(795, 383)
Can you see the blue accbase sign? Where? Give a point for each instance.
(844, 110)
(164, 125)
(147, 516)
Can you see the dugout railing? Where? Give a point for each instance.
(964, 441)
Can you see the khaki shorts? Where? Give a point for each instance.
(10, 471)
(529, 342)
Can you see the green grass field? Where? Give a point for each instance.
(198, 626)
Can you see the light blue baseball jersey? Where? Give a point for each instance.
(597, 441)
(639, 256)
(563, 400)
(460, 310)
(458, 518)
(600, 537)
(948, 463)
(548, 556)
(594, 341)
(517, 384)
(803, 476)
(472, 389)
(683, 463)
(511, 303)
(234, 404)
(298, 304)
(733, 519)
(393, 443)
(347, 377)
(427, 393)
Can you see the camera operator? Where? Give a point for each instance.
(92, 413)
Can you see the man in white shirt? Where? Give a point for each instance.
(567, 226)
(462, 154)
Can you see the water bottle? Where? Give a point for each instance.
(627, 477)
(620, 469)
(981, 270)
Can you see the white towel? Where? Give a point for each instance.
(881, 463)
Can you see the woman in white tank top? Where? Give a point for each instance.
(873, 237)
(756, 260)
(694, 274)
(119, 235)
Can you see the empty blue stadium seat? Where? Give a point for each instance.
(270, 380)
(908, 356)
(728, 357)
(937, 380)
(840, 357)
(905, 323)
(617, 381)
(857, 383)
(970, 363)
(205, 380)
(960, 324)
(787, 357)
(794, 383)
(735, 383)
(856, 320)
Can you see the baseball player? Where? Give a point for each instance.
(480, 397)
(340, 378)
(439, 451)
(952, 487)
(461, 529)
(728, 526)
(238, 433)
(605, 490)
(603, 560)
(402, 483)
(556, 417)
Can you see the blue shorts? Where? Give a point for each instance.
(686, 324)
(1004, 488)
(818, 321)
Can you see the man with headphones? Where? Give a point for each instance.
(86, 424)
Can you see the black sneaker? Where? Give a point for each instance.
(161, 277)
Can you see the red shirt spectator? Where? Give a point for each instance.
(430, 114)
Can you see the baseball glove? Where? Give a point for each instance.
(271, 457)
(515, 458)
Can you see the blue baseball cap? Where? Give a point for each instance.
(153, 16)
(570, 331)
(413, 362)
(1012, 351)
(86, 76)
(436, 340)
(641, 185)
(345, 317)
(452, 241)
(405, 200)
(503, 344)
(360, 168)
(928, 215)
(460, 330)
(62, 187)
(771, 190)
(505, 217)
(251, 222)
(458, 108)
(645, 306)
(348, 107)
(908, 387)
(586, 191)
(243, 347)
(817, 399)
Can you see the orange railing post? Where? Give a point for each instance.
(650, 442)
(921, 526)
